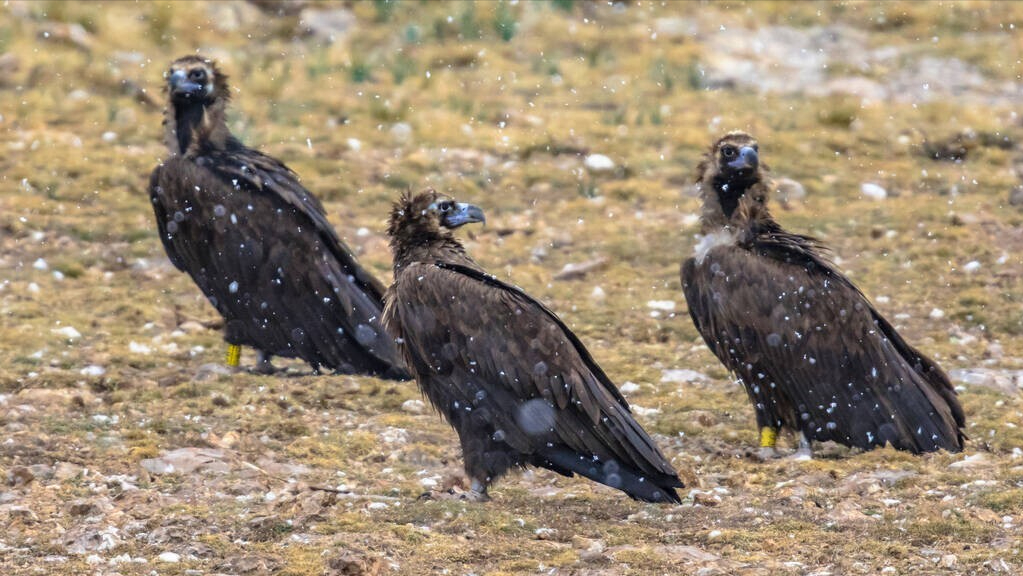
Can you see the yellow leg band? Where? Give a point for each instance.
(768, 437)
(234, 355)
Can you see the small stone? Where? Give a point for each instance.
(23, 514)
(544, 533)
(66, 470)
(67, 332)
(572, 271)
(788, 191)
(352, 563)
(211, 371)
(971, 266)
(936, 314)
(629, 388)
(137, 348)
(170, 558)
(873, 191)
(20, 476)
(93, 370)
(682, 375)
(191, 327)
(971, 462)
(1016, 196)
(598, 163)
(40, 264)
(949, 561)
(330, 24)
(402, 132)
(82, 507)
(413, 406)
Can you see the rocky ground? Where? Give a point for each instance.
(126, 447)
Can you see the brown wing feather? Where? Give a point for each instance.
(812, 351)
(270, 263)
(477, 342)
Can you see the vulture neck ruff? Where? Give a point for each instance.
(193, 126)
(707, 242)
(416, 241)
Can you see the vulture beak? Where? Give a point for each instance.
(180, 87)
(747, 160)
(463, 214)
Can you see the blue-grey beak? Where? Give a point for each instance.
(180, 86)
(747, 160)
(463, 214)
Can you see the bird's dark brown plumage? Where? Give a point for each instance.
(257, 243)
(813, 354)
(515, 383)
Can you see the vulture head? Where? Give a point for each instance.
(730, 169)
(196, 80)
(429, 215)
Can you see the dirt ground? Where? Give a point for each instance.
(126, 447)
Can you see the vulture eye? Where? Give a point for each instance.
(445, 206)
(728, 151)
(197, 75)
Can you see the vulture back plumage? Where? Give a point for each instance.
(257, 243)
(813, 354)
(516, 384)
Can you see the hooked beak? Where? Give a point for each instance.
(180, 86)
(747, 160)
(463, 214)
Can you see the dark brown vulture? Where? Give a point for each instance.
(258, 244)
(515, 383)
(813, 354)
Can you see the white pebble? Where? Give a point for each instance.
(136, 348)
(714, 534)
(629, 388)
(40, 264)
(401, 131)
(109, 137)
(936, 314)
(971, 266)
(873, 191)
(666, 305)
(599, 163)
(413, 406)
(93, 370)
(354, 144)
(67, 332)
(377, 506)
(170, 557)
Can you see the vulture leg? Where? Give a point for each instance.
(264, 366)
(768, 438)
(478, 492)
(805, 452)
(234, 355)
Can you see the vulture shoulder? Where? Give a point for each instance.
(777, 312)
(459, 322)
